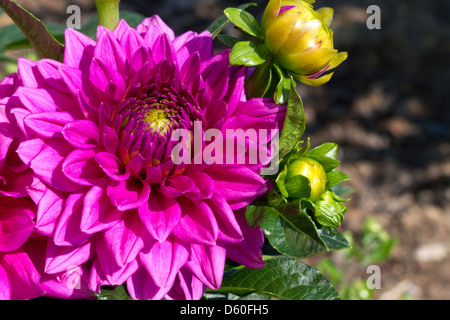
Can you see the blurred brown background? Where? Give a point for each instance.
(387, 107)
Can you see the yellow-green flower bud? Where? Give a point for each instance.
(300, 40)
(312, 170)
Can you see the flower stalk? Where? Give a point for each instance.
(108, 13)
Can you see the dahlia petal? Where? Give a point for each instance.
(215, 72)
(236, 85)
(112, 166)
(98, 213)
(121, 243)
(121, 28)
(151, 28)
(110, 140)
(61, 259)
(15, 185)
(19, 279)
(204, 183)
(48, 124)
(163, 50)
(190, 42)
(72, 78)
(29, 149)
(262, 108)
(9, 85)
(48, 70)
(49, 210)
(177, 186)
(79, 49)
(160, 215)
(96, 277)
(186, 287)
(230, 230)
(80, 167)
(197, 224)
(27, 70)
(142, 287)
(37, 100)
(129, 194)
(70, 284)
(190, 68)
(207, 263)
(163, 261)
(16, 223)
(83, 134)
(131, 41)
(109, 50)
(67, 230)
(248, 252)
(238, 185)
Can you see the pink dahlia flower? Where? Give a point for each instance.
(22, 250)
(99, 136)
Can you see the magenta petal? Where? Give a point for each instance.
(13, 184)
(98, 213)
(47, 164)
(19, 279)
(110, 140)
(82, 134)
(175, 187)
(109, 50)
(122, 242)
(16, 222)
(112, 166)
(230, 230)
(238, 185)
(142, 287)
(160, 215)
(49, 210)
(197, 224)
(249, 251)
(48, 124)
(163, 261)
(151, 28)
(186, 287)
(129, 194)
(67, 231)
(29, 149)
(60, 259)
(79, 48)
(80, 167)
(37, 100)
(207, 263)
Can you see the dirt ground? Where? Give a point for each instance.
(388, 110)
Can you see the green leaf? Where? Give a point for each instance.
(248, 53)
(37, 33)
(334, 177)
(217, 26)
(283, 86)
(228, 40)
(286, 238)
(282, 278)
(244, 21)
(113, 293)
(260, 80)
(280, 182)
(294, 123)
(298, 187)
(328, 211)
(327, 149)
(333, 239)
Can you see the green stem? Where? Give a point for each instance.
(108, 13)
